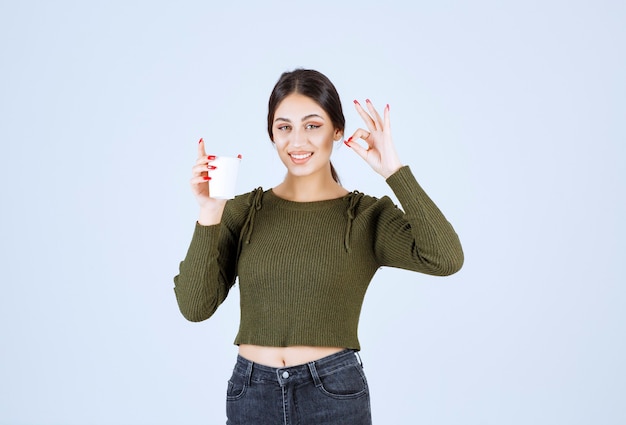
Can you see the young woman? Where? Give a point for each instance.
(304, 253)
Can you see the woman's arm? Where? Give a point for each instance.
(207, 273)
(418, 238)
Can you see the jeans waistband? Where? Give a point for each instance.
(311, 371)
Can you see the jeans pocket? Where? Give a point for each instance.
(236, 387)
(345, 383)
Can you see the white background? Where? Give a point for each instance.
(511, 115)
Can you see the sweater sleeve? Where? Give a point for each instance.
(419, 238)
(208, 271)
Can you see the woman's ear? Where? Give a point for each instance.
(338, 135)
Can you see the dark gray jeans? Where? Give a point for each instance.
(329, 391)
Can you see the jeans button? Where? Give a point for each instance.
(285, 375)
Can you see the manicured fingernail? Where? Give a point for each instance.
(239, 156)
(368, 101)
(387, 106)
(356, 102)
(347, 143)
(211, 167)
(200, 141)
(211, 157)
(206, 178)
(349, 139)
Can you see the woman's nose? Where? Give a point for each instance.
(298, 138)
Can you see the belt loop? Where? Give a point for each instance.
(249, 372)
(358, 356)
(316, 378)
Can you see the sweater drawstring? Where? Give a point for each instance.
(254, 202)
(353, 198)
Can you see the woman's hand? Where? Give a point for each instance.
(210, 209)
(380, 153)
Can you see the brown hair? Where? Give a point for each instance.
(312, 84)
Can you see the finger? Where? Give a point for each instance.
(205, 159)
(369, 122)
(201, 151)
(374, 112)
(202, 168)
(363, 135)
(387, 122)
(199, 179)
(360, 150)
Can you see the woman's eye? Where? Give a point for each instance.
(312, 126)
(283, 127)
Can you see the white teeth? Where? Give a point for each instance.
(301, 156)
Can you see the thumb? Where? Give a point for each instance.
(360, 150)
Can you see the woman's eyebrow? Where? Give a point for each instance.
(303, 118)
(311, 116)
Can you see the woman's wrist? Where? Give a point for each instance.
(212, 215)
(390, 171)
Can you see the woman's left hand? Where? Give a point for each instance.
(380, 152)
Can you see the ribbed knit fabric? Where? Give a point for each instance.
(303, 267)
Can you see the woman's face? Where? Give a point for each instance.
(303, 135)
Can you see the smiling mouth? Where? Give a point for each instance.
(300, 156)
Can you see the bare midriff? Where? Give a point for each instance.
(285, 356)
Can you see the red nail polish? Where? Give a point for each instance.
(211, 157)
(239, 156)
(387, 106)
(212, 167)
(346, 142)
(349, 139)
(356, 102)
(206, 178)
(200, 141)
(368, 101)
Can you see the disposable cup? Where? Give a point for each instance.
(223, 177)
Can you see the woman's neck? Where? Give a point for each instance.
(309, 188)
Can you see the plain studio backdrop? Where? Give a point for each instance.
(510, 114)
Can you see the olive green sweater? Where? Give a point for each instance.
(303, 267)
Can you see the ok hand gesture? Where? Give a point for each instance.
(380, 152)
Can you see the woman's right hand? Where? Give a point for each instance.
(210, 208)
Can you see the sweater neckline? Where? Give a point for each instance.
(305, 206)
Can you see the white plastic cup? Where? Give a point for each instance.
(224, 177)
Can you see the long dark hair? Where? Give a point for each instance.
(312, 84)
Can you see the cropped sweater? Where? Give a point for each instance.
(303, 267)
